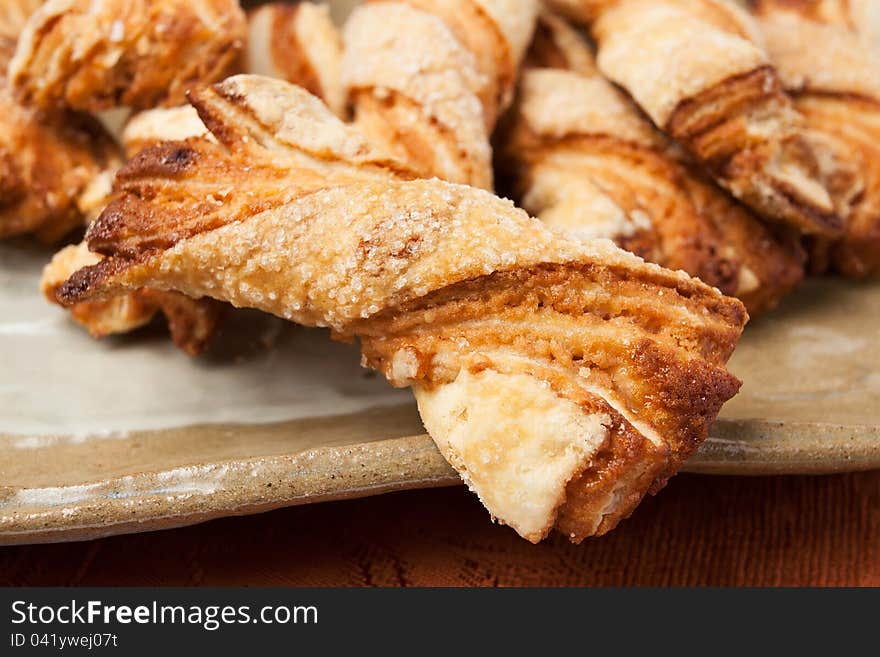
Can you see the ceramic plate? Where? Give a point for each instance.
(124, 435)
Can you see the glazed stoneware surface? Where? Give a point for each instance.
(128, 434)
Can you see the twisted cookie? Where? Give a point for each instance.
(563, 379)
(50, 162)
(293, 42)
(582, 158)
(428, 79)
(697, 69)
(833, 74)
(140, 53)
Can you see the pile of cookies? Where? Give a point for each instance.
(672, 163)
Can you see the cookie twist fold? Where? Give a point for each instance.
(139, 53)
(697, 68)
(832, 71)
(563, 379)
(429, 78)
(581, 157)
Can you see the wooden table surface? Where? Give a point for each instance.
(699, 531)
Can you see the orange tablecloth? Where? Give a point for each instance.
(699, 530)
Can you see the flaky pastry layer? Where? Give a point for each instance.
(698, 69)
(297, 42)
(91, 56)
(429, 78)
(51, 165)
(581, 157)
(832, 70)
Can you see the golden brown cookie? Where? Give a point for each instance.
(564, 379)
(581, 157)
(698, 69)
(84, 55)
(832, 70)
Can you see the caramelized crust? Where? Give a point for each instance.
(833, 72)
(140, 53)
(428, 79)
(49, 164)
(581, 157)
(192, 322)
(255, 136)
(697, 68)
(298, 43)
(617, 365)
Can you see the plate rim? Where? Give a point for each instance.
(328, 473)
